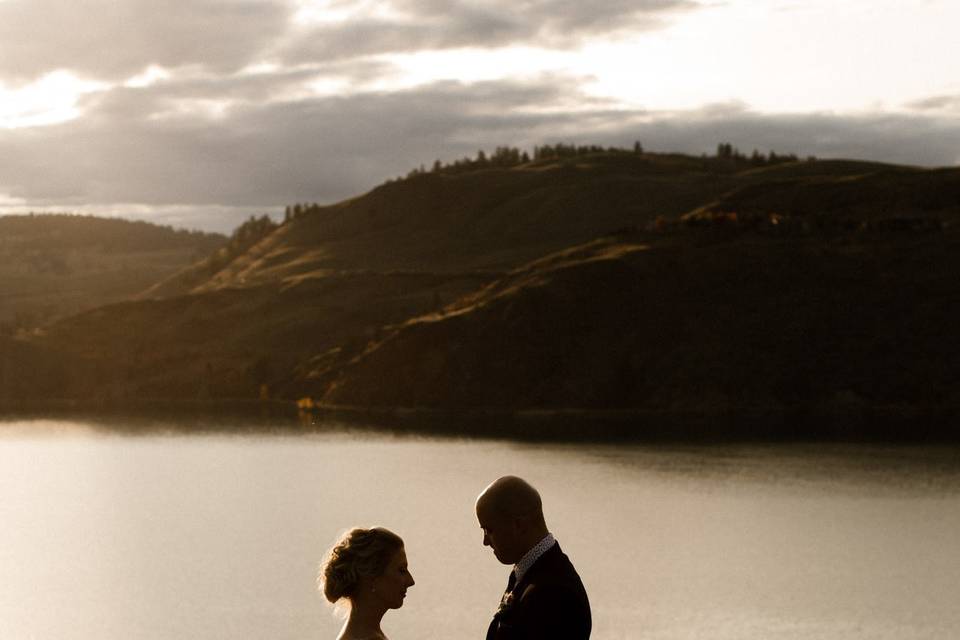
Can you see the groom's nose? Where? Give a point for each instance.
(486, 539)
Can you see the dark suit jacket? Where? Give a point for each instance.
(549, 603)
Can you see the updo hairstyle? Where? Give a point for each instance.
(359, 553)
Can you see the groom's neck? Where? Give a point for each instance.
(532, 538)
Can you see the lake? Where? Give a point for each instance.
(164, 535)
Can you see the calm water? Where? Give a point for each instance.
(112, 537)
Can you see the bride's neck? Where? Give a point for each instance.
(363, 622)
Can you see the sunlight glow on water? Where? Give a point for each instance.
(218, 536)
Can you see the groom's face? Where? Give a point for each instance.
(500, 534)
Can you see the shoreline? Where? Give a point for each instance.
(879, 424)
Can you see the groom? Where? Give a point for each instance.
(545, 599)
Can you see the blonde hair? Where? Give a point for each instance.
(357, 554)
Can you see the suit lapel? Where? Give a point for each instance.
(514, 593)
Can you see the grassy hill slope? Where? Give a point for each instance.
(230, 342)
(880, 194)
(496, 218)
(709, 320)
(488, 219)
(55, 265)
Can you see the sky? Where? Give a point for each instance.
(201, 113)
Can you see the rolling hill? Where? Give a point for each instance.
(610, 280)
(488, 219)
(55, 265)
(689, 319)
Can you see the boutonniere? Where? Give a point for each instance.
(506, 604)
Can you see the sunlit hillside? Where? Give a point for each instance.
(55, 265)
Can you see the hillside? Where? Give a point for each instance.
(54, 265)
(493, 218)
(636, 282)
(230, 342)
(489, 219)
(868, 196)
(708, 319)
(30, 371)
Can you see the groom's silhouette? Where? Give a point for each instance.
(545, 598)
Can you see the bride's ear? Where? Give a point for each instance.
(363, 588)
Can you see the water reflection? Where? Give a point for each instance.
(872, 468)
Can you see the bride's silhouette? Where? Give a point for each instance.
(368, 569)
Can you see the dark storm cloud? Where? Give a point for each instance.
(260, 154)
(255, 154)
(446, 24)
(114, 39)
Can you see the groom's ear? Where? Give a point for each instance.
(521, 524)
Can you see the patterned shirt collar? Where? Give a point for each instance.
(524, 564)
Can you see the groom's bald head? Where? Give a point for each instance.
(512, 497)
(511, 515)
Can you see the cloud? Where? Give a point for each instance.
(260, 155)
(414, 25)
(255, 153)
(938, 103)
(113, 40)
(252, 105)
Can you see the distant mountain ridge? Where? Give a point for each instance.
(66, 231)
(52, 265)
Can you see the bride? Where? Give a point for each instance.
(368, 569)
